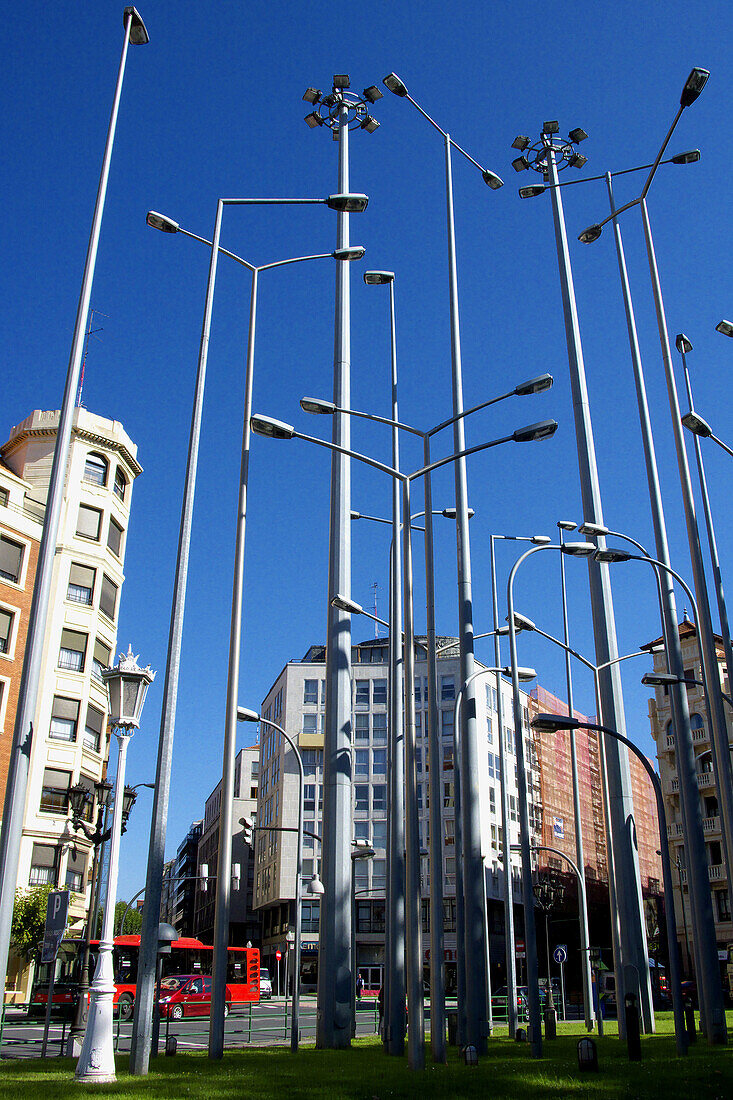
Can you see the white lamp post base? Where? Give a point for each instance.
(97, 1058)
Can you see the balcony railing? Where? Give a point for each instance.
(715, 873)
(711, 824)
(674, 830)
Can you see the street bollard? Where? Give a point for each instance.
(550, 1016)
(690, 1022)
(633, 1032)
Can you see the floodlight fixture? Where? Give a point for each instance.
(521, 142)
(160, 221)
(312, 95)
(683, 343)
(725, 328)
(521, 164)
(694, 84)
(577, 160)
(577, 135)
(372, 93)
(341, 81)
(395, 85)
(369, 124)
(313, 120)
(552, 127)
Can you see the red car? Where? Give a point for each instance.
(188, 995)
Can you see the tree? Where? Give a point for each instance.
(29, 919)
(133, 920)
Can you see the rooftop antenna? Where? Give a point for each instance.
(90, 332)
(375, 586)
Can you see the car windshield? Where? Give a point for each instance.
(264, 974)
(172, 984)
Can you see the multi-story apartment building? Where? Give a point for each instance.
(296, 701)
(244, 923)
(662, 730)
(183, 884)
(70, 740)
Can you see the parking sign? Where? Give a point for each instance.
(57, 910)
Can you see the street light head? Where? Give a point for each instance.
(127, 685)
(372, 94)
(577, 160)
(566, 525)
(159, 221)
(725, 328)
(592, 233)
(362, 849)
(683, 343)
(395, 85)
(138, 33)
(692, 156)
(695, 424)
(521, 164)
(552, 127)
(521, 142)
(534, 385)
(351, 607)
(541, 540)
(313, 120)
(532, 191)
(551, 723)
(315, 887)
(341, 81)
(492, 179)
(611, 555)
(579, 549)
(314, 405)
(521, 622)
(694, 84)
(577, 135)
(594, 529)
(450, 513)
(659, 679)
(355, 515)
(378, 278)
(369, 124)
(246, 715)
(543, 429)
(348, 203)
(267, 425)
(355, 252)
(312, 95)
(524, 675)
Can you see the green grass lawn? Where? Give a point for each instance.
(365, 1072)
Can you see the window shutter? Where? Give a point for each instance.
(44, 855)
(81, 575)
(88, 522)
(11, 555)
(65, 708)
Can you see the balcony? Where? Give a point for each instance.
(705, 780)
(711, 824)
(715, 873)
(670, 742)
(674, 830)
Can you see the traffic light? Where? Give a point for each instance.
(248, 828)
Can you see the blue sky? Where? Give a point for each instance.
(211, 107)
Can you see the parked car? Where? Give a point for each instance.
(265, 984)
(188, 995)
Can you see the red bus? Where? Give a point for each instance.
(188, 956)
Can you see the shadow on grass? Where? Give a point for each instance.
(366, 1073)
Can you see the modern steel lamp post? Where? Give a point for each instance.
(20, 749)
(279, 430)
(127, 686)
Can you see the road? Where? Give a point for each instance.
(268, 1023)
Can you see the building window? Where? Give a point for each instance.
(120, 485)
(379, 692)
(448, 805)
(114, 537)
(379, 727)
(6, 628)
(362, 694)
(55, 792)
(447, 724)
(4, 496)
(379, 761)
(108, 598)
(11, 559)
(89, 523)
(379, 834)
(722, 899)
(361, 727)
(81, 584)
(361, 762)
(492, 800)
(43, 865)
(361, 797)
(310, 691)
(75, 867)
(64, 719)
(101, 659)
(491, 765)
(310, 724)
(447, 688)
(95, 469)
(379, 873)
(379, 797)
(73, 650)
(309, 798)
(93, 728)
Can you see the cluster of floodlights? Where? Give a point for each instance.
(341, 83)
(549, 129)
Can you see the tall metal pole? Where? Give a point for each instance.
(695, 855)
(333, 1024)
(437, 960)
(413, 906)
(511, 968)
(633, 946)
(20, 750)
(577, 811)
(473, 868)
(145, 995)
(394, 978)
(223, 879)
(715, 1022)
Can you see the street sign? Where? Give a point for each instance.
(560, 953)
(278, 955)
(57, 910)
(519, 950)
